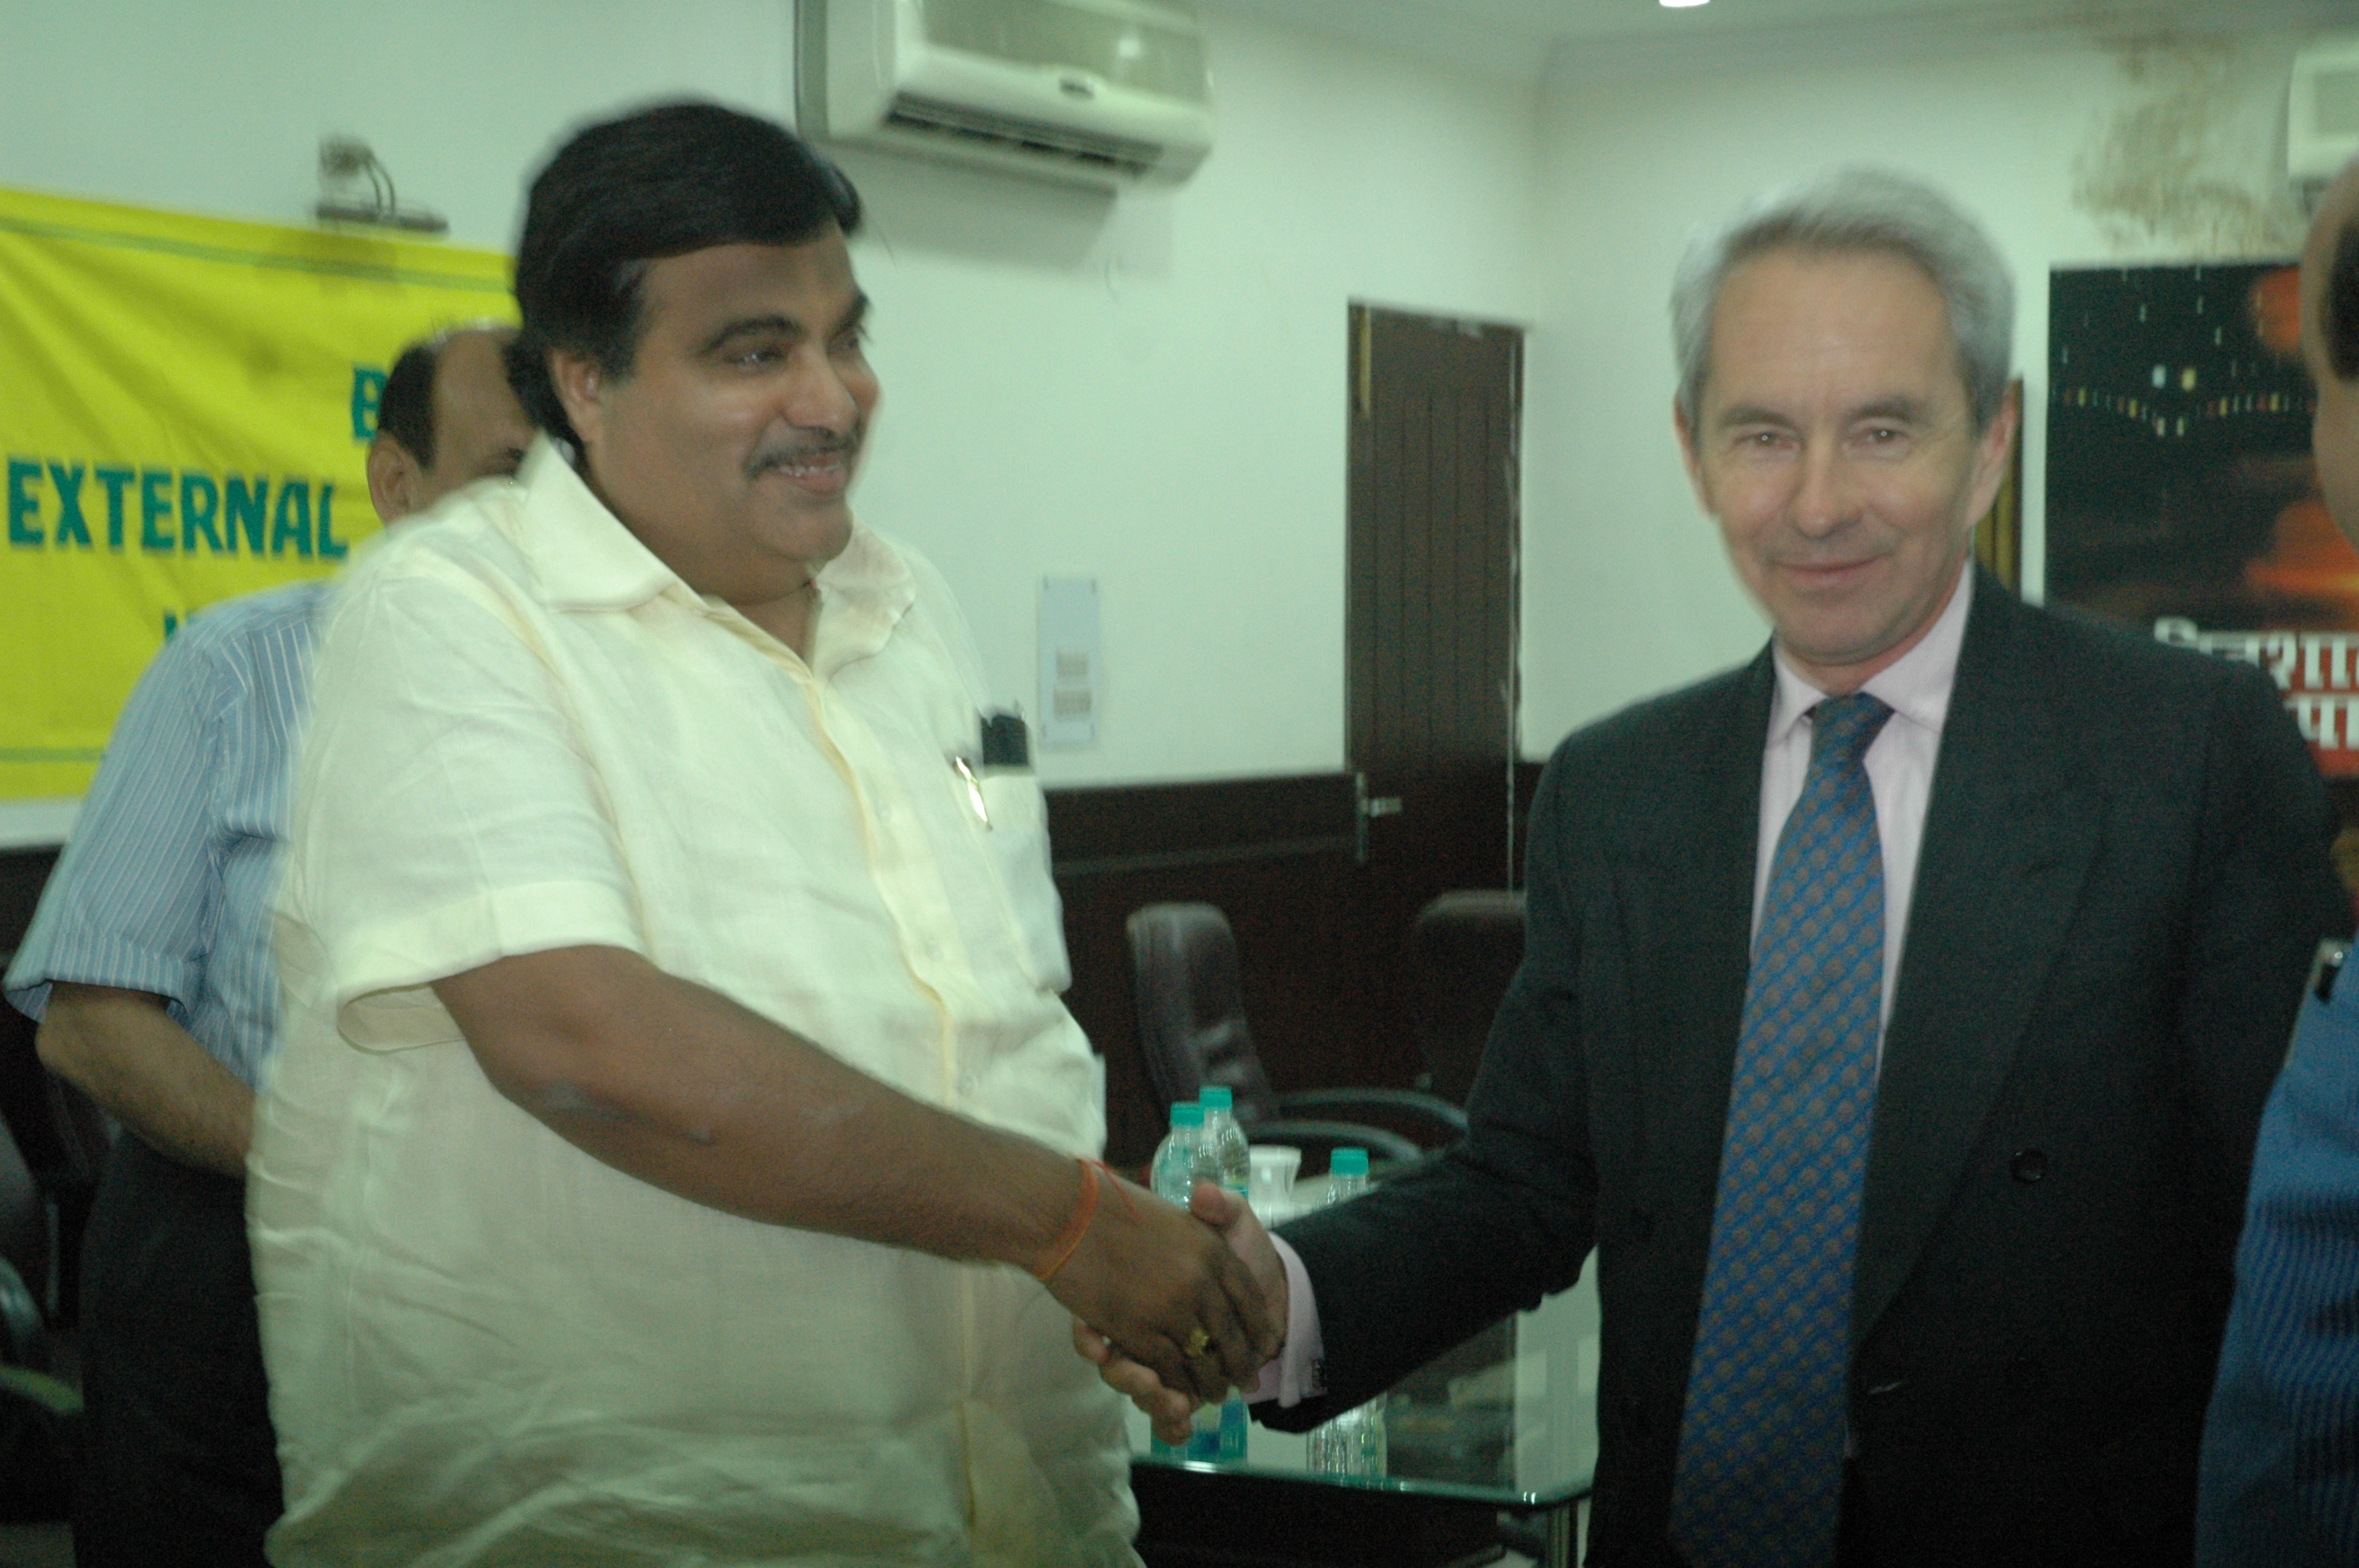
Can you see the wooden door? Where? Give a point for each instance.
(1431, 628)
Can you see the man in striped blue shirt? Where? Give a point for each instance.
(2281, 1472)
(150, 969)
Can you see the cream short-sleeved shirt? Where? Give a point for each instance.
(486, 1346)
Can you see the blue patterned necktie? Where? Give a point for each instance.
(1761, 1443)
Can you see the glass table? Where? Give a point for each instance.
(1504, 1424)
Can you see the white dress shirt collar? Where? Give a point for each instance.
(584, 557)
(587, 560)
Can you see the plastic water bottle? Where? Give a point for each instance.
(1174, 1170)
(1353, 1443)
(1347, 1175)
(1224, 1159)
(1217, 1432)
(1230, 1157)
(1171, 1176)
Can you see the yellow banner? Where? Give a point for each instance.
(185, 408)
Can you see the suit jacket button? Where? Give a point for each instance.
(1642, 1226)
(2024, 1375)
(2027, 1166)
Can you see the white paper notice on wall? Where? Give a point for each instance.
(1072, 671)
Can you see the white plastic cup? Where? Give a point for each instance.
(1270, 1181)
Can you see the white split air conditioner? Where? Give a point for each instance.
(2323, 113)
(1100, 91)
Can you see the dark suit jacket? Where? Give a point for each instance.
(2122, 878)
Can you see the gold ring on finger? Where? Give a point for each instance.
(1199, 1342)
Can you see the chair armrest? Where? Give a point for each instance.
(52, 1394)
(40, 1443)
(1382, 1145)
(1448, 1120)
(24, 1337)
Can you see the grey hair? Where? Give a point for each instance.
(1859, 209)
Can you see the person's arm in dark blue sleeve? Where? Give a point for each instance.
(2280, 1484)
(2281, 1472)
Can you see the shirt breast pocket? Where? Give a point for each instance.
(1017, 843)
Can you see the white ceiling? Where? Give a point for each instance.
(1525, 40)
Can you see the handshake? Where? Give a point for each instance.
(1175, 1307)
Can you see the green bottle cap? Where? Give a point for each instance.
(1348, 1162)
(1218, 1097)
(1186, 1113)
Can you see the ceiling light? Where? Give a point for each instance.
(1683, 4)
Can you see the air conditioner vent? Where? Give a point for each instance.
(1106, 92)
(1116, 154)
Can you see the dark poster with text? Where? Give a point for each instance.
(2181, 493)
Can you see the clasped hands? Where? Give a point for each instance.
(1175, 1307)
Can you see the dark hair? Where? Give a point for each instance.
(661, 182)
(404, 409)
(2341, 298)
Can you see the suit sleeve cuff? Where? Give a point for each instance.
(1294, 1376)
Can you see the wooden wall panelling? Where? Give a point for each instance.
(1276, 855)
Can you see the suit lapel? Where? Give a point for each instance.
(1684, 886)
(2010, 833)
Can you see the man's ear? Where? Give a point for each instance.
(1992, 448)
(581, 388)
(393, 479)
(1688, 456)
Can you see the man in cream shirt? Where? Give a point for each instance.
(677, 1112)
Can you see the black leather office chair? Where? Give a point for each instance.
(1464, 950)
(63, 1137)
(1192, 1031)
(40, 1412)
(25, 1260)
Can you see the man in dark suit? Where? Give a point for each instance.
(2280, 1479)
(1995, 920)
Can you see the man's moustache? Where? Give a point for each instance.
(810, 452)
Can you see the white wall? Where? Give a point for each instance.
(1150, 391)
(219, 107)
(2071, 155)
(1162, 405)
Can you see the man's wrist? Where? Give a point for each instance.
(1077, 1222)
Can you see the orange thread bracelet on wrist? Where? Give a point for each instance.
(1071, 1236)
(1129, 1207)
